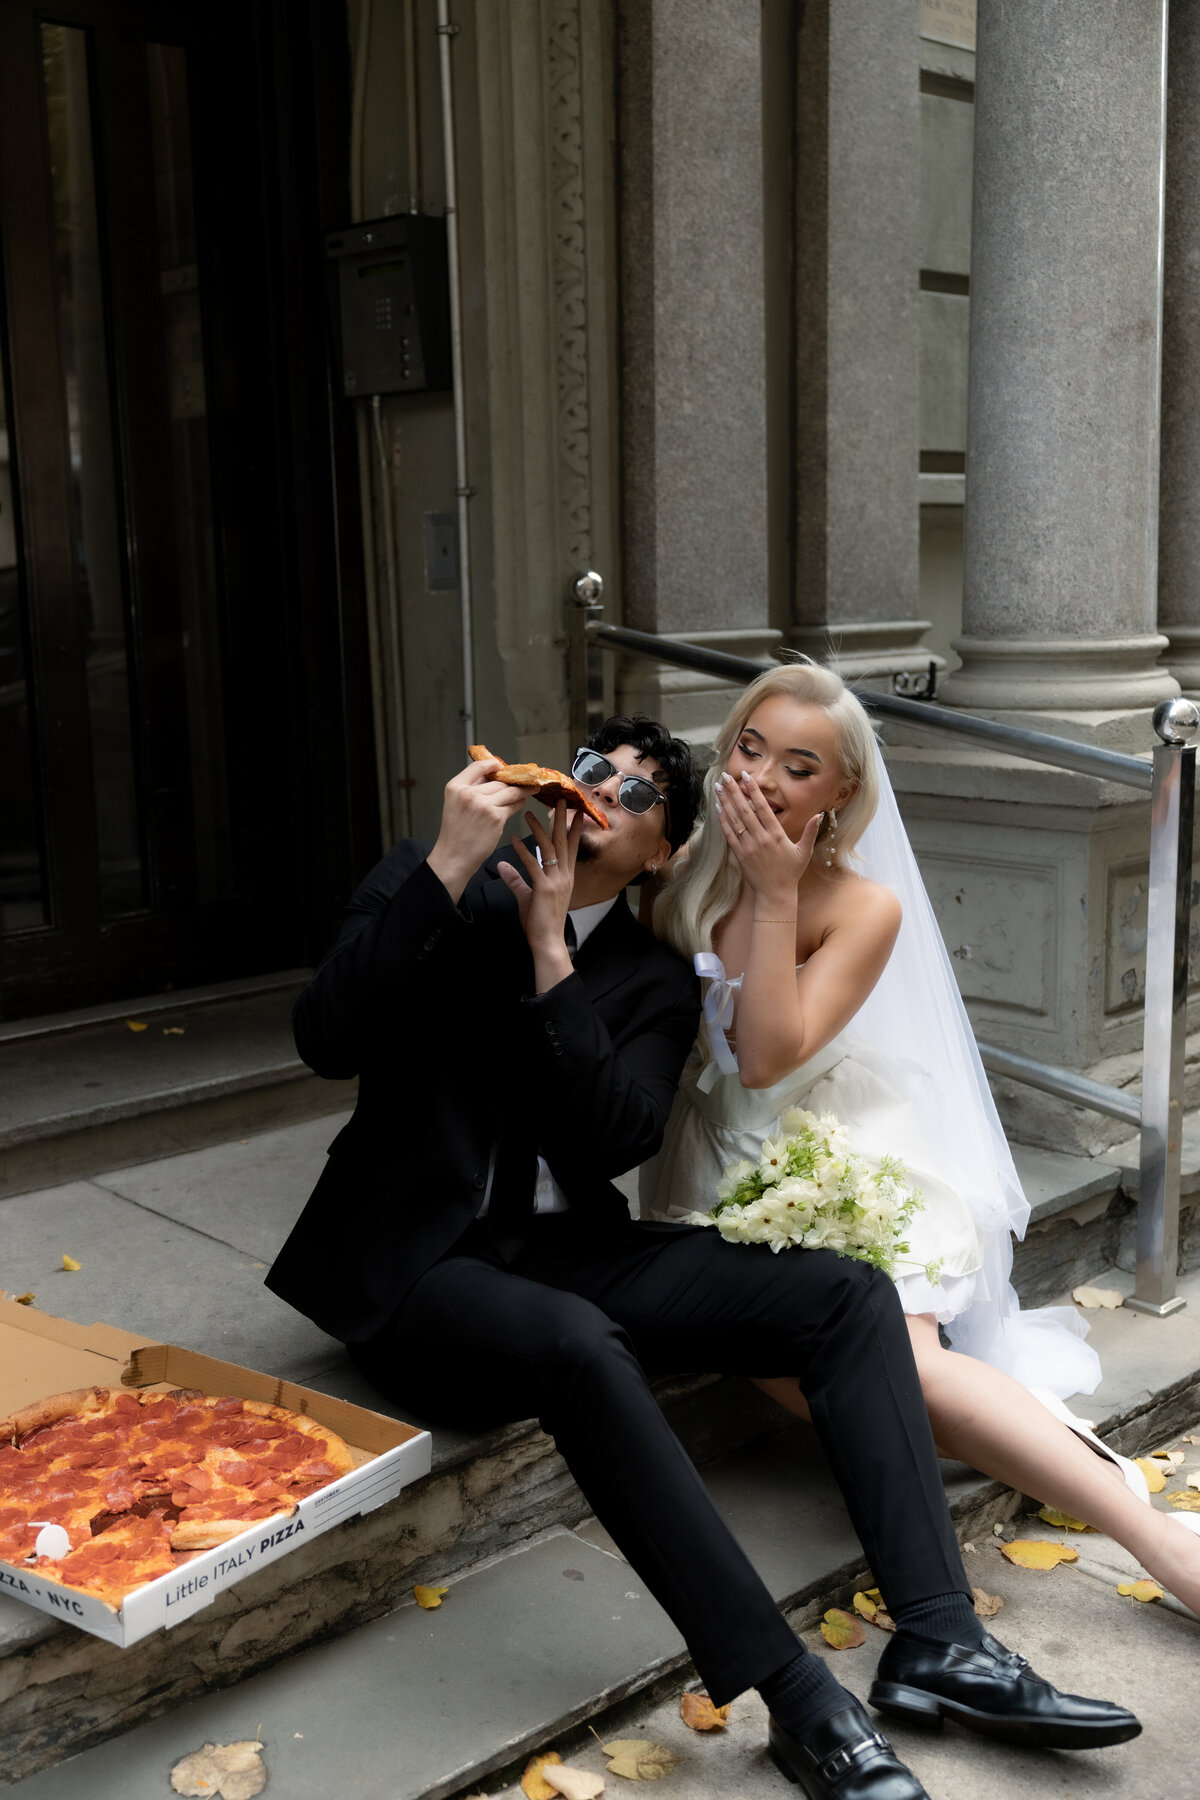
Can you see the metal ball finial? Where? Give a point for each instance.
(1176, 721)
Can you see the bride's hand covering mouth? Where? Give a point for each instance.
(771, 864)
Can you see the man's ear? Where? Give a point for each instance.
(659, 857)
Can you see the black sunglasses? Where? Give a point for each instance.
(636, 794)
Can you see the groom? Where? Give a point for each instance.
(518, 1039)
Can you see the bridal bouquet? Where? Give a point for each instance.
(809, 1188)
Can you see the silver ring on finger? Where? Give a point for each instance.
(742, 832)
(551, 862)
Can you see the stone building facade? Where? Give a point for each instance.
(865, 328)
(732, 271)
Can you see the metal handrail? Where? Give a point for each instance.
(1033, 746)
(1169, 777)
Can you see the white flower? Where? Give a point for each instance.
(772, 1158)
(839, 1202)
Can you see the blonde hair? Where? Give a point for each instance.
(704, 890)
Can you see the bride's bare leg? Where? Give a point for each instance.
(786, 1391)
(988, 1421)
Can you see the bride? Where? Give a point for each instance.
(830, 988)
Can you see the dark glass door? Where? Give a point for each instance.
(183, 786)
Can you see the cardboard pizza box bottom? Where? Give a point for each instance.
(41, 1355)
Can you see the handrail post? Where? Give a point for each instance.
(585, 673)
(1172, 802)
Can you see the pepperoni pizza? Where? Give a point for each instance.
(142, 1482)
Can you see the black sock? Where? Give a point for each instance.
(949, 1618)
(803, 1693)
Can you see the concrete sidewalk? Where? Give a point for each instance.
(1075, 1629)
(544, 1629)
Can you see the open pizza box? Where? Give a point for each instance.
(41, 1355)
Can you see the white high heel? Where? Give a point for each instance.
(1135, 1481)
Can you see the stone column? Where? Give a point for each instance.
(1038, 876)
(693, 375)
(1062, 447)
(857, 208)
(1179, 496)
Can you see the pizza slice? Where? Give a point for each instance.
(546, 785)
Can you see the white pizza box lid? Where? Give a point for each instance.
(41, 1355)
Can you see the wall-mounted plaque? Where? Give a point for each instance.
(949, 22)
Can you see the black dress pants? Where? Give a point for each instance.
(565, 1325)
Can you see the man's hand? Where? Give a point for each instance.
(545, 900)
(474, 813)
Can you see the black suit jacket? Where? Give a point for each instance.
(433, 1007)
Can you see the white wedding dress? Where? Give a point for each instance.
(905, 1079)
(716, 1121)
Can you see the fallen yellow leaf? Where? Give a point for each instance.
(1140, 1590)
(572, 1784)
(1038, 1553)
(1062, 1520)
(986, 1605)
(70, 1263)
(1094, 1297)
(234, 1771)
(1170, 1459)
(429, 1597)
(533, 1783)
(841, 1630)
(25, 1299)
(1185, 1501)
(698, 1711)
(1156, 1481)
(1193, 1480)
(638, 1759)
(1190, 1438)
(136, 1024)
(174, 1030)
(869, 1605)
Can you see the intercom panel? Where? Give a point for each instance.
(393, 305)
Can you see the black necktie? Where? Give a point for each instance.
(510, 1203)
(569, 935)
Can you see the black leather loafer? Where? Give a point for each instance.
(843, 1759)
(991, 1690)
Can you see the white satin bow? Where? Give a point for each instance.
(718, 1016)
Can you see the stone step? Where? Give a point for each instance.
(83, 1091)
(205, 1224)
(486, 1495)
(489, 1502)
(1077, 1210)
(530, 1643)
(1083, 1216)
(548, 1631)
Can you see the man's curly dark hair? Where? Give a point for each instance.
(673, 757)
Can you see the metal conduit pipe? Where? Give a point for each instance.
(447, 31)
(383, 784)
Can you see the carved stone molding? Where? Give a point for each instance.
(569, 264)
